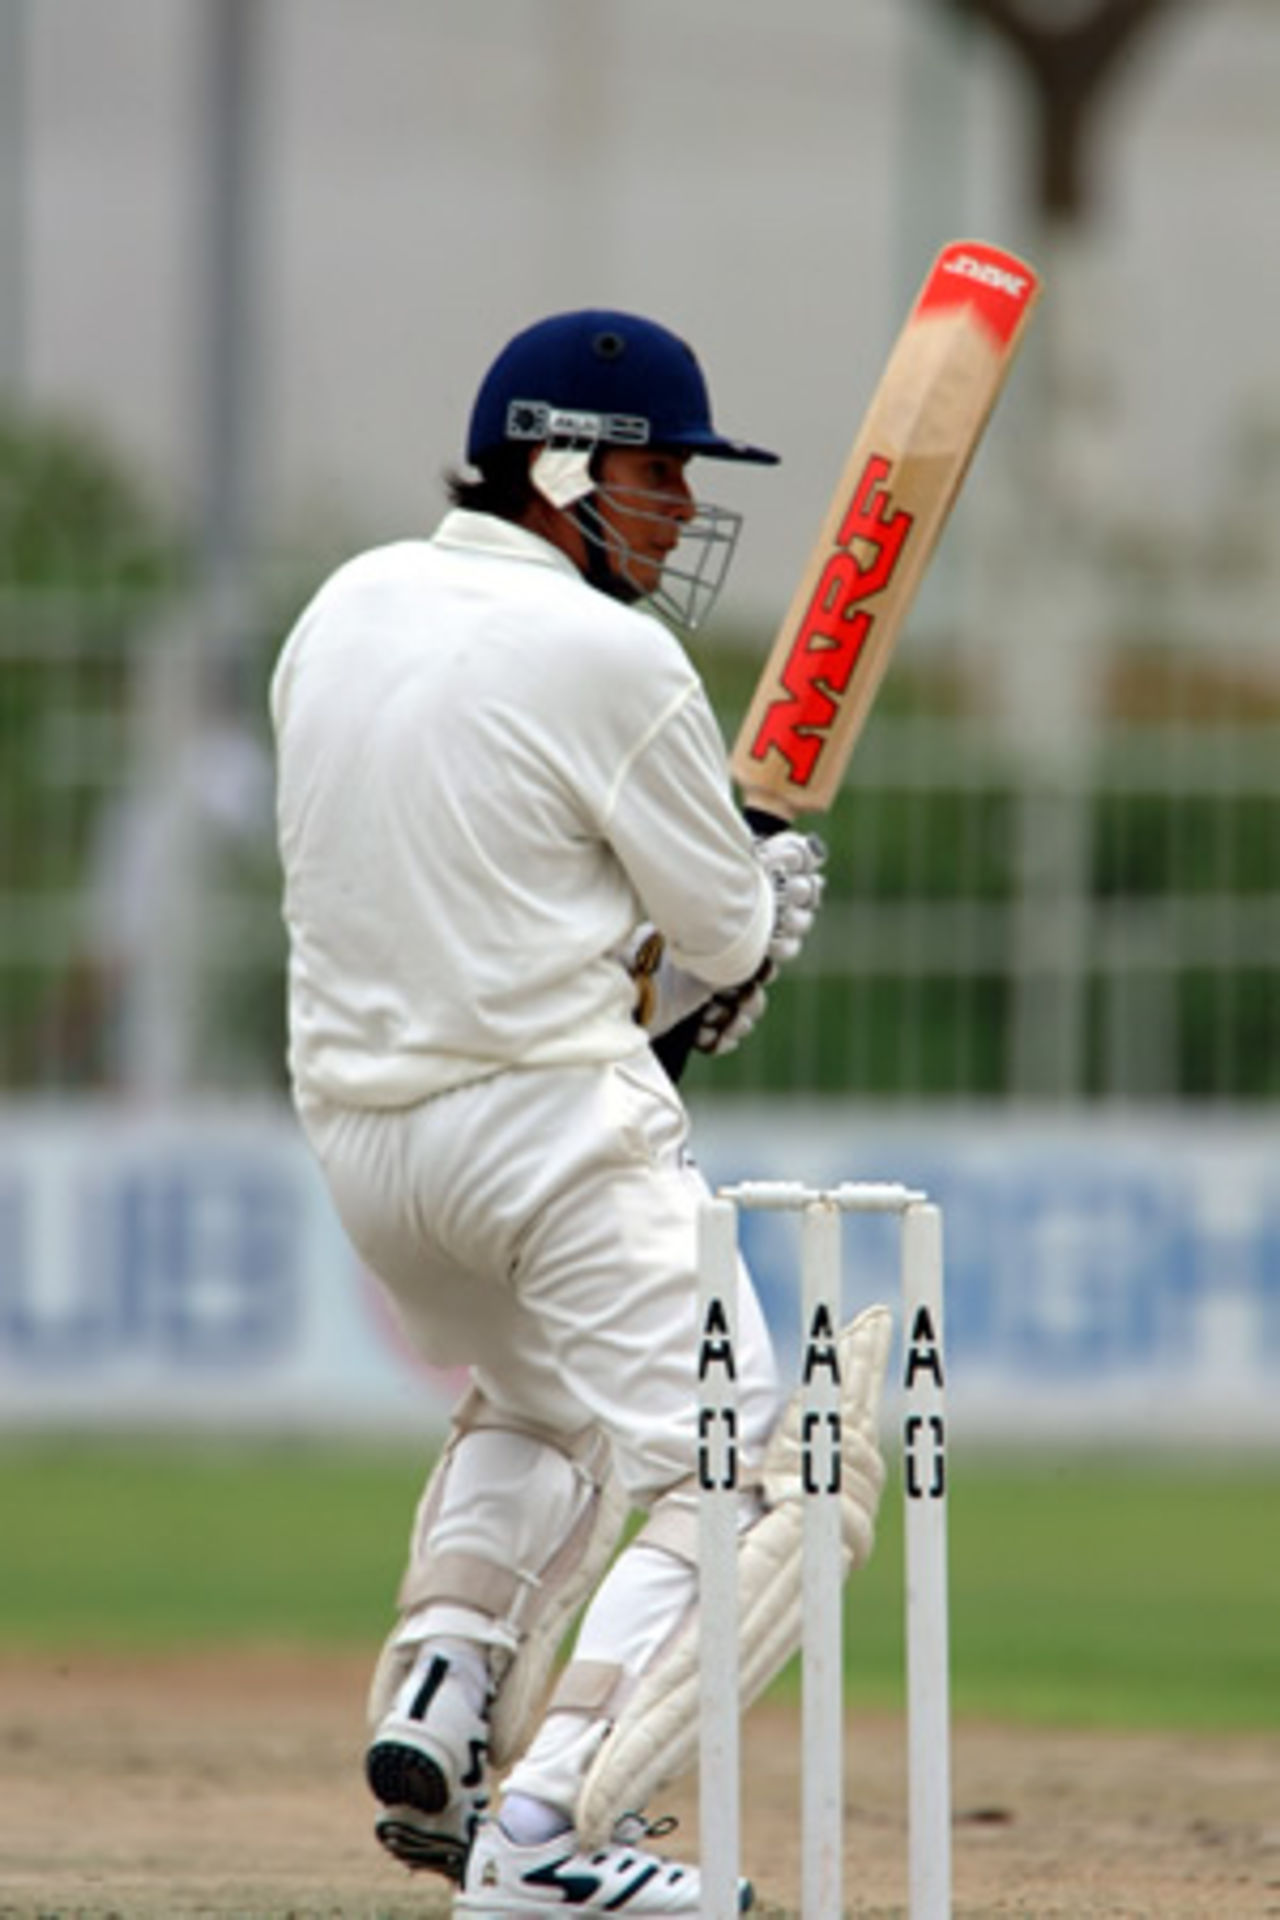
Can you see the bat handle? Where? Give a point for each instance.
(763, 823)
(675, 1045)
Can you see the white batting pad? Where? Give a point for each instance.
(655, 1736)
(518, 1702)
(512, 1534)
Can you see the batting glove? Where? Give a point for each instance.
(729, 1016)
(793, 862)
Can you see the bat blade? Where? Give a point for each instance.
(885, 519)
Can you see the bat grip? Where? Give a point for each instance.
(763, 823)
(675, 1045)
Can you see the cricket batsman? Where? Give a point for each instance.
(512, 859)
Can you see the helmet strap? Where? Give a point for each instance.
(600, 571)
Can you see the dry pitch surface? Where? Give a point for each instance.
(230, 1785)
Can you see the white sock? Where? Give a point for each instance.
(529, 1822)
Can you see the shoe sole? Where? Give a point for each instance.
(517, 1909)
(401, 1776)
(478, 1907)
(404, 1840)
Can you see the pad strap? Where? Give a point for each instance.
(587, 1686)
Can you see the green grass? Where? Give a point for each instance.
(165, 1544)
(1097, 1591)
(1083, 1591)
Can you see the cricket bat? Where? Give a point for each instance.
(885, 519)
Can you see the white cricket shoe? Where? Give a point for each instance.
(426, 1764)
(505, 1881)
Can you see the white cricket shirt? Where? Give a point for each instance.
(488, 774)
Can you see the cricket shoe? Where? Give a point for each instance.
(433, 1842)
(426, 1764)
(505, 1881)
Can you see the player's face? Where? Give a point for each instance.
(644, 501)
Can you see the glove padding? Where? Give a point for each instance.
(667, 995)
(728, 1017)
(793, 863)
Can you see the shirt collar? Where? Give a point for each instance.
(463, 530)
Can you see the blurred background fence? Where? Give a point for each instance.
(1104, 927)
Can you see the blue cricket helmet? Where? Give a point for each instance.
(601, 377)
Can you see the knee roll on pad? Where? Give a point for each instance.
(655, 1735)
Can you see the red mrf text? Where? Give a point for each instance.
(836, 625)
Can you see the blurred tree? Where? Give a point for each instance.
(75, 519)
(87, 562)
(1070, 49)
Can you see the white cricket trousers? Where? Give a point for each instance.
(540, 1226)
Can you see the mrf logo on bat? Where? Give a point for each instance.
(837, 624)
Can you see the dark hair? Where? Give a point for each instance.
(503, 488)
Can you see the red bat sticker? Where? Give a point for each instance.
(836, 625)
